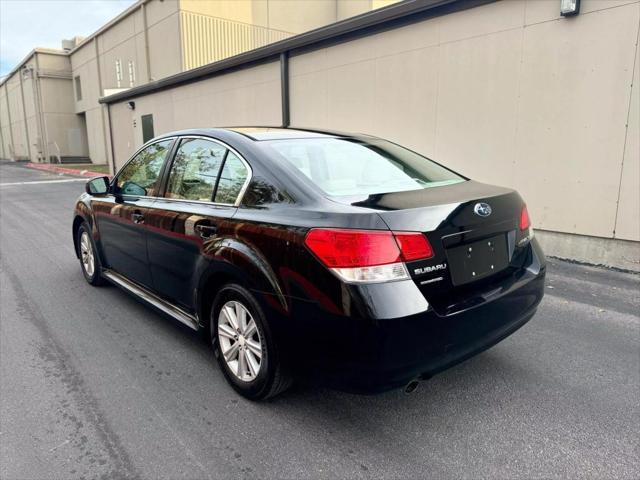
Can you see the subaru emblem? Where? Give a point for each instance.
(482, 209)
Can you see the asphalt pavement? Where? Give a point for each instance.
(94, 384)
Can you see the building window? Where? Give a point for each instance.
(118, 73)
(132, 74)
(76, 81)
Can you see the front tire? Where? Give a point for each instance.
(89, 260)
(245, 346)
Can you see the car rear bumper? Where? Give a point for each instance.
(369, 355)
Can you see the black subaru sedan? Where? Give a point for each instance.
(342, 258)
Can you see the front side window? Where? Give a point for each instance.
(140, 176)
(233, 176)
(353, 170)
(195, 170)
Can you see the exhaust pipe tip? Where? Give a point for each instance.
(411, 386)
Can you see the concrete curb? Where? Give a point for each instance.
(67, 171)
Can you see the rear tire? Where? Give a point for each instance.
(245, 346)
(89, 260)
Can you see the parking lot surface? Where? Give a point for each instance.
(93, 383)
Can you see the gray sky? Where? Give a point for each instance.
(25, 24)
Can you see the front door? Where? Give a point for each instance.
(193, 216)
(121, 215)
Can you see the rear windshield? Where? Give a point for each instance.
(350, 168)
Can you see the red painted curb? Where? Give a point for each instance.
(67, 171)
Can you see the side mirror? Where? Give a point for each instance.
(97, 186)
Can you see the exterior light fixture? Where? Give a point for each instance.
(569, 8)
(131, 105)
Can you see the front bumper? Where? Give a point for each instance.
(364, 354)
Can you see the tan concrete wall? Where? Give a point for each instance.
(628, 218)
(295, 16)
(5, 125)
(21, 147)
(18, 113)
(165, 50)
(180, 35)
(124, 41)
(207, 39)
(212, 31)
(298, 17)
(351, 8)
(64, 128)
(120, 42)
(244, 11)
(246, 97)
(85, 65)
(508, 93)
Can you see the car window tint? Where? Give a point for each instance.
(355, 169)
(195, 169)
(234, 174)
(139, 177)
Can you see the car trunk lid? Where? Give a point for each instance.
(474, 231)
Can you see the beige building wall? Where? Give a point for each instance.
(215, 30)
(508, 93)
(13, 97)
(6, 134)
(36, 110)
(149, 41)
(141, 46)
(628, 212)
(5, 140)
(246, 97)
(293, 16)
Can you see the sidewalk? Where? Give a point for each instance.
(63, 170)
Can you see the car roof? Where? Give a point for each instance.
(258, 134)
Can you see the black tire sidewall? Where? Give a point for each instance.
(260, 386)
(95, 278)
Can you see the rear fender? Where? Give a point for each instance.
(235, 261)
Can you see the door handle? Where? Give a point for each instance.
(137, 218)
(206, 231)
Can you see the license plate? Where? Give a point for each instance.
(477, 260)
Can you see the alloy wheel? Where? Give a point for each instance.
(86, 253)
(240, 342)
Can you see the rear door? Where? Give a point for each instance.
(121, 215)
(193, 215)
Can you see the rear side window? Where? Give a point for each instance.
(140, 176)
(349, 168)
(233, 176)
(195, 170)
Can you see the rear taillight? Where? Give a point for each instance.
(525, 221)
(367, 255)
(413, 246)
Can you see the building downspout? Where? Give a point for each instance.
(284, 90)
(113, 153)
(38, 115)
(39, 104)
(145, 27)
